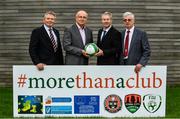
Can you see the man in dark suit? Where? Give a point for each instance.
(108, 41)
(75, 38)
(45, 47)
(136, 48)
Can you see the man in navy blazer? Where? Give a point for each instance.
(136, 51)
(45, 46)
(75, 38)
(109, 42)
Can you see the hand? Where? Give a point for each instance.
(138, 68)
(99, 53)
(40, 66)
(85, 53)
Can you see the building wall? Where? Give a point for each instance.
(160, 19)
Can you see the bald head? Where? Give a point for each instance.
(81, 18)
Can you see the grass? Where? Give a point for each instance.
(172, 104)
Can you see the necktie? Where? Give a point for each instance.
(103, 35)
(126, 45)
(53, 40)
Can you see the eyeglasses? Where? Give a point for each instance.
(125, 20)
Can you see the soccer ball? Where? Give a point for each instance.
(91, 49)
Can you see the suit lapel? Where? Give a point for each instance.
(123, 34)
(46, 38)
(88, 36)
(78, 34)
(107, 34)
(133, 39)
(57, 36)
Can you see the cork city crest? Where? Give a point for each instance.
(132, 102)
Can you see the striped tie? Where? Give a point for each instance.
(53, 40)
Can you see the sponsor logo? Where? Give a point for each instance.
(86, 104)
(58, 109)
(152, 102)
(132, 102)
(113, 103)
(50, 100)
(30, 104)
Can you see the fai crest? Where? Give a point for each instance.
(152, 102)
(132, 102)
(113, 103)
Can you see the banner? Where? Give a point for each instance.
(81, 91)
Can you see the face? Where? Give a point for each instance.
(81, 18)
(49, 20)
(128, 21)
(106, 21)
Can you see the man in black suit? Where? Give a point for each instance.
(109, 42)
(45, 46)
(136, 48)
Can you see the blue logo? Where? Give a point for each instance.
(86, 104)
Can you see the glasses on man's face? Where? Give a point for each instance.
(127, 20)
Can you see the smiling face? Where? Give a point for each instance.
(106, 21)
(81, 18)
(128, 21)
(49, 20)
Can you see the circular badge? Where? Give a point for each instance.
(113, 103)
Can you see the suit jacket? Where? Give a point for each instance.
(111, 46)
(139, 51)
(73, 45)
(41, 48)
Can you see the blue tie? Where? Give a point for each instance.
(104, 33)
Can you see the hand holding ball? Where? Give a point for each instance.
(91, 49)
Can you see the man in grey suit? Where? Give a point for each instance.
(136, 48)
(75, 38)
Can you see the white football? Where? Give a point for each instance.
(91, 49)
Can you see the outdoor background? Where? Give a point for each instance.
(159, 18)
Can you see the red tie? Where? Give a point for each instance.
(126, 45)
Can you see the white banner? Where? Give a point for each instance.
(106, 91)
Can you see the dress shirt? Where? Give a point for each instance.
(130, 38)
(47, 30)
(82, 32)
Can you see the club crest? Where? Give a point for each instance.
(152, 102)
(132, 102)
(113, 103)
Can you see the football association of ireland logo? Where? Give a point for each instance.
(132, 102)
(152, 102)
(113, 103)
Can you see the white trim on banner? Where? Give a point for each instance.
(81, 91)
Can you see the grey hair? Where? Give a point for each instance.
(77, 13)
(128, 14)
(51, 13)
(107, 13)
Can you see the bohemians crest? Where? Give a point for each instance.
(113, 103)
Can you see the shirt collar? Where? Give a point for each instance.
(131, 30)
(107, 29)
(80, 27)
(47, 28)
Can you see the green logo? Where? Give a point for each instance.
(132, 102)
(152, 102)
